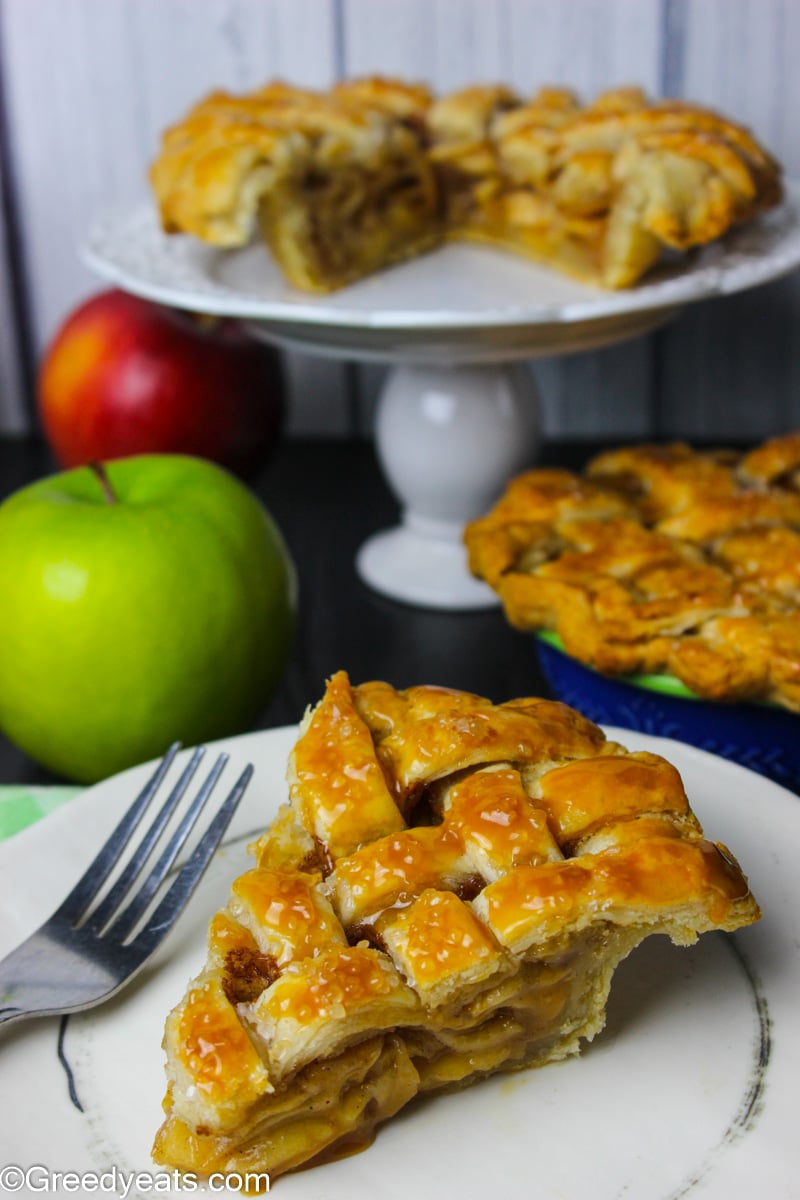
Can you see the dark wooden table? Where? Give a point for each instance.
(327, 497)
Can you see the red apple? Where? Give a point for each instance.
(125, 376)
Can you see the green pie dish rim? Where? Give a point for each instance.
(665, 685)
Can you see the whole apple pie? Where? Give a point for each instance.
(659, 558)
(343, 183)
(446, 894)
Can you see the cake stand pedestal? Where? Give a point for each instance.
(447, 437)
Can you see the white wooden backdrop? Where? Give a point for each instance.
(87, 85)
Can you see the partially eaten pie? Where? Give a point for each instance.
(446, 894)
(343, 183)
(659, 558)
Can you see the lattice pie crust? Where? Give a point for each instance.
(659, 558)
(375, 171)
(446, 894)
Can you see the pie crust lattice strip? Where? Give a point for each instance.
(659, 558)
(446, 894)
(343, 183)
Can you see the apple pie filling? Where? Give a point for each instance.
(328, 227)
(367, 958)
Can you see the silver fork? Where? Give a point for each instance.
(83, 955)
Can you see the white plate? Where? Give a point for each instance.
(456, 288)
(691, 1089)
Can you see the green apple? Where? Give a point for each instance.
(145, 601)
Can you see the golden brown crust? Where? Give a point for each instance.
(659, 559)
(598, 191)
(430, 954)
(406, 100)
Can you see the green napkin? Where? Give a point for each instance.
(22, 804)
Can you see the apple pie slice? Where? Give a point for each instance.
(446, 894)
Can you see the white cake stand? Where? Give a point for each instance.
(458, 414)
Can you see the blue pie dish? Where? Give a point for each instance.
(763, 737)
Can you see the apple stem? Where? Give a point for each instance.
(103, 480)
